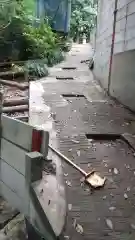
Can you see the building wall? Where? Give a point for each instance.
(104, 40)
(122, 81)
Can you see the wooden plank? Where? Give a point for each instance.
(20, 108)
(20, 86)
(13, 179)
(13, 155)
(16, 101)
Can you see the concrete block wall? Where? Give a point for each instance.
(125, 26)
(104, 40)
(122, 69)
(122, 84)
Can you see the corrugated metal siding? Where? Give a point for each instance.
(58, 11)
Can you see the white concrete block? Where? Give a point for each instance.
(121, 13)
(130, 21)
(13, 155)
(12, 179)
(118, 47)
(17, 132)
(130, 44)
(119, 36)
(121, 3)
(120, 25)
(131, 8)
(130, 33)
(20, 134)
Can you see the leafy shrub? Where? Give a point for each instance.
(36, 68)
(24, 39)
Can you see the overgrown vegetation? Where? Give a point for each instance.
(24, 38)
(83, 18)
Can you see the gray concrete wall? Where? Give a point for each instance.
(104, 40)
(124, 42)
(123, 78)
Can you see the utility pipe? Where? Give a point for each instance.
(112, 45)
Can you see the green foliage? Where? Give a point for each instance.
(83, 18)
(36, 68)
(22, 39)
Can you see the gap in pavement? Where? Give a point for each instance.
(64, 78)
(102, 137)
(71, 95)
(69, 68)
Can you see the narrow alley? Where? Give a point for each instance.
(72, 106)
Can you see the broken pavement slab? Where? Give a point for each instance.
(130, 139)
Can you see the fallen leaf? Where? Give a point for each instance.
(104, 197)
(74, 223)
(110, 170)
(112, 195)
(112, 208)
(133, 226)
(78, 153)
(70, 150)
(65, 174)
(75, 141)
(115, 170)
(128, 189)
(69, 183)
(69, 206)
(79, 228)
(89, 165)
(87, 189)
(82, 179)
(66, 237)
(109, 223)
(106, 165)
(125, 196)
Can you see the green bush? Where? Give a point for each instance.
(36, 68)
(23, 40)
(42, 43)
